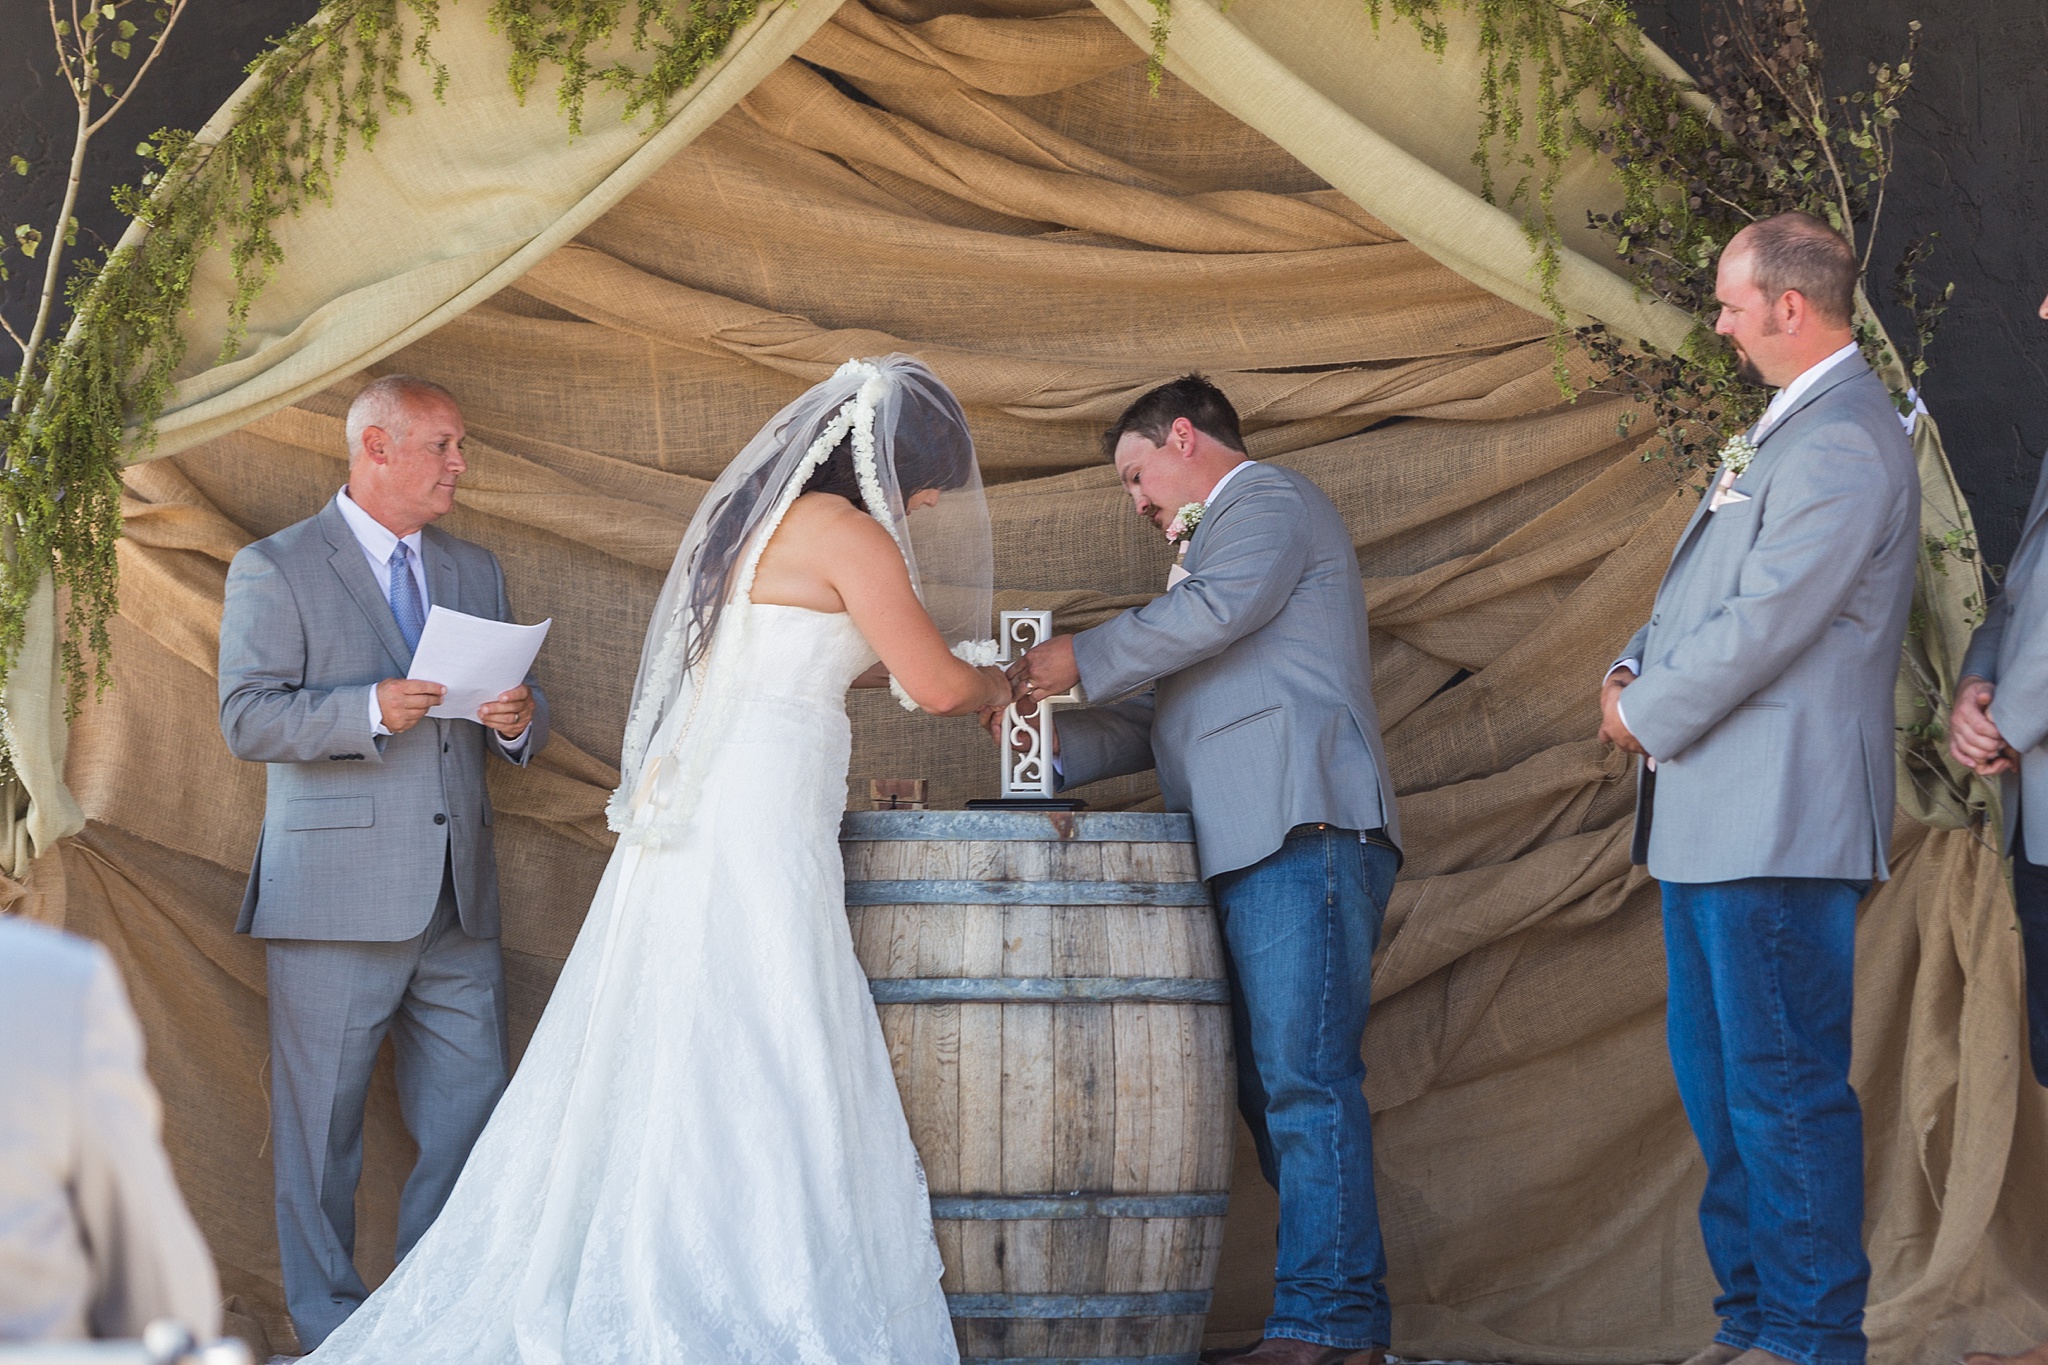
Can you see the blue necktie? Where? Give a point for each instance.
(405, 597)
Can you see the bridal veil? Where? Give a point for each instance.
(907, 435)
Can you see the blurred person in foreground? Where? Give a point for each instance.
(1760, 695)
(2000, 729)
(95, 1240)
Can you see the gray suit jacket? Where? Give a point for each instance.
(1772, 650)
(1259, 715)
(356, 827)
(2011, 650)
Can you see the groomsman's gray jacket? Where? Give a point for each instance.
(1772, 650)
(1259, 715)
(2011, 650)
(356, 827)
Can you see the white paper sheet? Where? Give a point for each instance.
(473, 658)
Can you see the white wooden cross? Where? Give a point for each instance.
(1027, 740)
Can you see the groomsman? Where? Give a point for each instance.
(1248, 685)
(375, 885)
(2000, 728)
(1760, 694)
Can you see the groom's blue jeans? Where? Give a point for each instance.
(1300, 926)
(1761, 982)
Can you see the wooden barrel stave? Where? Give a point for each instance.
(1056, 1055)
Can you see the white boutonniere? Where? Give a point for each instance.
(1181, 529)
(1737, 453)
(1735, 457)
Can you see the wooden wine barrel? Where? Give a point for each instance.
(1052, 989)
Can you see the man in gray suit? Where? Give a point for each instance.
(374, 884)
(2000, 728)
(1248, 685)
(1760, 694)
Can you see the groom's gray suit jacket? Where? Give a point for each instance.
(2011, 650)
(1771, 653)
(1259, 715)
(356, 828)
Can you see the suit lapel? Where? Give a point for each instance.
(1699, 519)
(1842, 373)
(443, 585)
(353, 567)
(1210, 511)
(2040, 504)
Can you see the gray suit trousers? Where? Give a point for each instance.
(441, 998)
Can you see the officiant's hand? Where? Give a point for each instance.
(510, 713)
(402, 701)
(1046, 670)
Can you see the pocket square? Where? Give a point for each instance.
(1724, 496)
(1174, 575)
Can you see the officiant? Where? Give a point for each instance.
(374, 886)
(1248, 686)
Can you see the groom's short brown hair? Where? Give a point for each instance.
(1191, 396)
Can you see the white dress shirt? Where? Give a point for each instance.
(1780, 402)
(379, 544)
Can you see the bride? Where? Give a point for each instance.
(702, 1156)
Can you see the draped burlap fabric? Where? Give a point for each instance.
(1001, 196)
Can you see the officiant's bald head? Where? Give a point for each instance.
(405, 438)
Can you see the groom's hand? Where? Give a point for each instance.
(1046, 670)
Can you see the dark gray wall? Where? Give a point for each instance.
(1973, 163)
(201, 65)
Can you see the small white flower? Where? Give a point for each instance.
(1736, 455)
(1182, 527)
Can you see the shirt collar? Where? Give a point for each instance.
(1229, 474)
(1784, 398)
(373, 535)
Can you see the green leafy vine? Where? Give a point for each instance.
(321, 91)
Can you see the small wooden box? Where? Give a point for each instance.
(899, 793)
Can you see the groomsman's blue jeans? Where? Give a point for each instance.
(1762, 978)
(1300, 926)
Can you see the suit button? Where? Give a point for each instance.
(440, 819)
(444, 748)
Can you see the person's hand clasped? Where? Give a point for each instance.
(402, 701)
(1613, 730)
(509, 714)
(1046, 670)
(1974, 739)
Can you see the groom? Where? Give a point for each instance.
(1248, 686)
(374, 886)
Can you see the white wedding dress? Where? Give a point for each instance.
(702, 1157)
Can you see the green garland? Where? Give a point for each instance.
(322, 90)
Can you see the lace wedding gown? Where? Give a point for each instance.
(702, 1156)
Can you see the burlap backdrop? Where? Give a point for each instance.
(1003, 198)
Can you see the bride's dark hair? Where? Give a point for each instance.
(933, 451)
